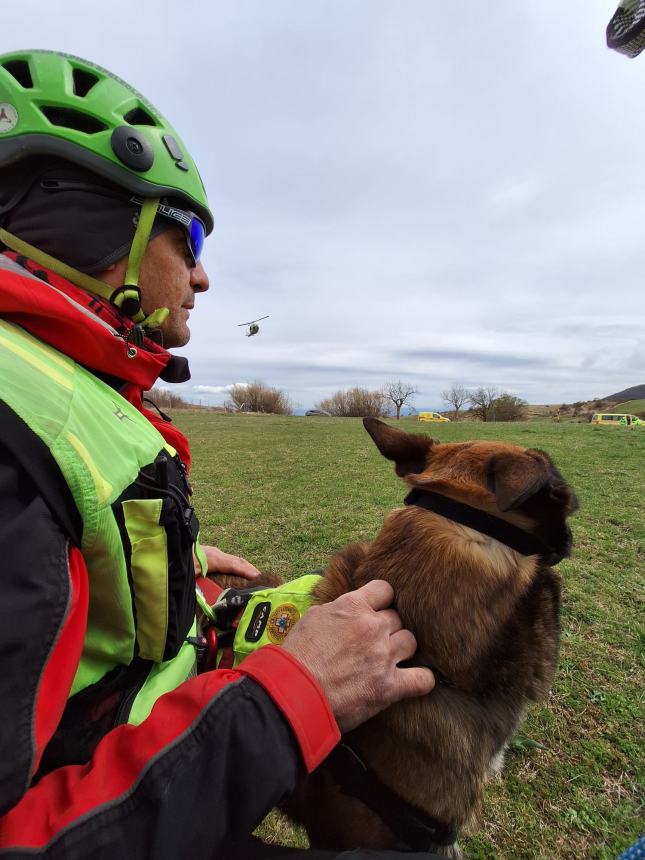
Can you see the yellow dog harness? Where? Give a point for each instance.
(246, 619)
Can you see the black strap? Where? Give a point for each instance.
(36, 459)
(228, 610)
(162, 415)
(411, 825)
(514, 537)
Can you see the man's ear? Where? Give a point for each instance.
(513, 479)
(114, 274)
(409, 452)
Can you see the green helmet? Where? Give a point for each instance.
(56, 104)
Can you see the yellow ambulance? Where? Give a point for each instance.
(431, 416)
(616, 419)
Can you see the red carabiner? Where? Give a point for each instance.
(211, 651)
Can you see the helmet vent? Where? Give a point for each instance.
(138, 116)
(21, 72)
(83, 81)
(74, 119)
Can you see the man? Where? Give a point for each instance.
(106, 749)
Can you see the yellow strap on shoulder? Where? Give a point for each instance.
(87, 282)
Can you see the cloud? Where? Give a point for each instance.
(445, 203)
(217, 389)
(476, 359)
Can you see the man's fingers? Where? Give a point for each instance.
(377, 593)
(222, 562)
(391, 619)
(363, 641)
(415, 681)
(403, 644)
(244, 568)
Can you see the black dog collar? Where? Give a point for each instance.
(514, 537)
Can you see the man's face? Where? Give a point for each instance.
(169, 279)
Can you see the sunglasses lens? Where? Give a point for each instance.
(197, 237)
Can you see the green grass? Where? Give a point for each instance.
(286, 492)
(631, 406)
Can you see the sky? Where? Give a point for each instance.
(412, 190)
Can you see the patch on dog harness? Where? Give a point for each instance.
(281, 621)
(247, 619)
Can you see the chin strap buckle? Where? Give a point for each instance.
(128, 300)
(156, 318)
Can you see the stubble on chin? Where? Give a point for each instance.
(176, 335)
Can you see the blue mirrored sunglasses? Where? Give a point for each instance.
(192, 225)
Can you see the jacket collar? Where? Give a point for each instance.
(86, 328)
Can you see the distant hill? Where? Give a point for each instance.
(636, 392)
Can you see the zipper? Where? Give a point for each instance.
(123, 711)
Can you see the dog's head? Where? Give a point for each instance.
(520, 485)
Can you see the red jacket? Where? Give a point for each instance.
(216, 753)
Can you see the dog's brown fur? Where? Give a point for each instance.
(483, 615)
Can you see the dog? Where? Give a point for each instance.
(469, 557)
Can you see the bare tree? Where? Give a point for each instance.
(399, 393)
(456, 395)
(483, 400)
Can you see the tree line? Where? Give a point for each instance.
(362, 403)
(486, 403)
(251, 397)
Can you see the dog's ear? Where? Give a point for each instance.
(564, 497)
(409, 452)
(514, 478)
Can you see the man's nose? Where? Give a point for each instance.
(199, 279)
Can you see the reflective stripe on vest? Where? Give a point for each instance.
(100, 443)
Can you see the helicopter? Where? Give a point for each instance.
(254, 328)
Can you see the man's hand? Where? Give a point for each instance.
(222, 562)
(352, 647)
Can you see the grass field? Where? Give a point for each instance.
(286, 492)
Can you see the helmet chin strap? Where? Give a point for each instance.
(126, 298)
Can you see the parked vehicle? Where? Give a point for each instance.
(431, 416)
(617, 419)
